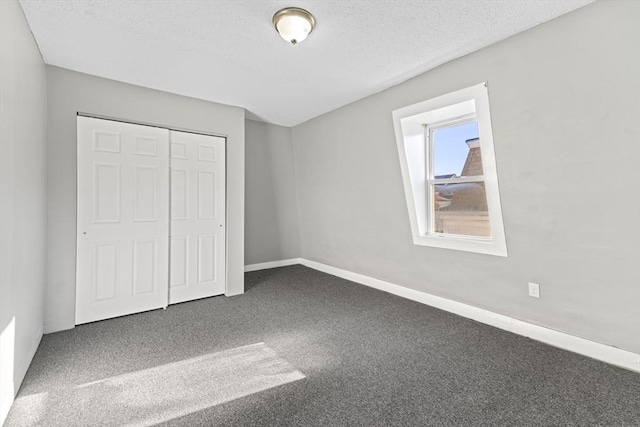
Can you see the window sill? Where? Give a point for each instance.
(462, 243)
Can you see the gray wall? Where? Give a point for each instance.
(565, 107)
(71, 92)
(271, 221)
(23, 148)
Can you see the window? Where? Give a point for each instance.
(448, 167)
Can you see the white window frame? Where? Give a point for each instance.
(414, 126)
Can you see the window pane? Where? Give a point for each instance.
(456, 151)
(461, 209)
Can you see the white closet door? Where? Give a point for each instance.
(197, 266)
(123, 219)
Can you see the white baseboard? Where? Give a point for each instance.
(615, 356)
(272, 264)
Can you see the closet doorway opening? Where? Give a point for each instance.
(151, 227)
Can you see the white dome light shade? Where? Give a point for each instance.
(293, 24)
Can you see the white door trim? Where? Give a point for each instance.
(153, 125)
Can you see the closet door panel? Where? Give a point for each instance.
(197, 264)
(123, 219)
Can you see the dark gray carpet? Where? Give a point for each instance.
(302, 348)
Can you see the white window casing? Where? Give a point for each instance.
(413, 126)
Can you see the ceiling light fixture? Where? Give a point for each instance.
(293, 24)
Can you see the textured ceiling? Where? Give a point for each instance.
(227, 50)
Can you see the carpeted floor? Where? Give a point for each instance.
(303, 348)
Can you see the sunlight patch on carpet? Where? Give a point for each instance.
(154, 395)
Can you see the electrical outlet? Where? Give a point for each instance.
(534, 290)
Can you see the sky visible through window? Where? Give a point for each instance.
(450, 149)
